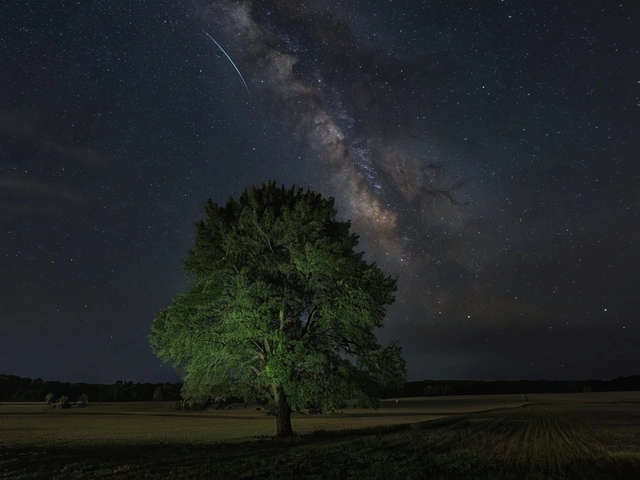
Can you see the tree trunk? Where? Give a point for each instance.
(283, 413)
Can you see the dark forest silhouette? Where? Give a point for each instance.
(19, 389)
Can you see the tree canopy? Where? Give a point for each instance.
(281, 305)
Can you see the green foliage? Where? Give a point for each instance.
(280, 303)
(63, 402)
(49, 398)
(83, 400)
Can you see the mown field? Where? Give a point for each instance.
(581, 436)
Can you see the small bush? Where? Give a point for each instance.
(49, 398)
(63, 402)
(430, 391)
(83, 400)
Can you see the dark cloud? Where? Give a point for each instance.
(524, 347)
(42, 163)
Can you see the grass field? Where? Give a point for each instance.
(581, 436)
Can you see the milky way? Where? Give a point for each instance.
(426, 207)
(412, 214)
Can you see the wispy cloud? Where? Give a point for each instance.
(93, 158)
(23, 186)
(27, 126)
(27, 208)
(40, 169)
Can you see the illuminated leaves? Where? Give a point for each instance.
(280, 301)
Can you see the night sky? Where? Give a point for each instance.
(486, 153)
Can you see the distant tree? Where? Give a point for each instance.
(159, 393)
(166, 392)
(281, 303)
(430, 391)
(49, 398)
(447, 389)
(123, 391)
(34, 391)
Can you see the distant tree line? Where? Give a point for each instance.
(19, 389)
(475, 387)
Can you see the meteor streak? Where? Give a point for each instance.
(234, 65)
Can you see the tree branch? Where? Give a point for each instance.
(305, 329)
(260, 351)
(257, 227)
(259, 388)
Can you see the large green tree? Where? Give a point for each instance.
(282, 305)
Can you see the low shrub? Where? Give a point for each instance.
(63, 402)
(83, 400)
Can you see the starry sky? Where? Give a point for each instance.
(486, 153)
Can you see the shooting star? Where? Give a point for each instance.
(234, 65)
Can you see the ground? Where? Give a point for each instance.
(591, 435)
